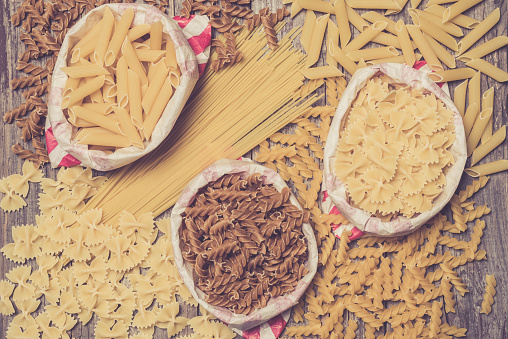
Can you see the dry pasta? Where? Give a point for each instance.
(321, 72)
(365, 37)
(448, 27)
(490, 292)
(435, 32)
(469, 117)
(373, 53)
(478, 32)
(424, 48)
(452, 75)
(484, 49)
(375, 16)
(341, 14)
(307, 30)
(460, 20)
(441, 52)
(485, 148)
(488, 69)
(477, 131)
(340, 56)
(488, 168)
(488, 103)
(374, 4)
(405, 43)
(316, 42)
(459, 97)
(457, 8)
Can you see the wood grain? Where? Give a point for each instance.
(494, 194)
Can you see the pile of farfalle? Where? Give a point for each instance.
(393, 152)
(123, 273)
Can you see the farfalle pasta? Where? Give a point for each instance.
(394, 149)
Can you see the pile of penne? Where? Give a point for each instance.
(433, 30)
(119, 82)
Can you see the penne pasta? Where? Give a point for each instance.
(138, 31)
(84, 71)
(128, 128)
(457, 8)
(375, 16)
(389, 40)
(401, 4)
(119, 36)
(89, 130)
(341, 57)
(90, 36)
(156, 36)
(485, 148)
(321, 72)
(295, 8)
(317, 5)
(70, 85)
(356, 19)
(135, 107)
(80, 123)
(341, 14)
(415, 3)
(157, 109)
(308, 28)
(148, 55)
(316, 42)
(437, 33)
(83, 51)
(133, 62)
(122, 82)
(373, 53)
(448, 27)
(487, 68)
(478, 127)
(460, 20)
(486, 169)
(361, 64)
(107, 122)
(459, 97)
(439, 2)
(171, 60)
(105, 139)
(488, 102)
(484, 49)
(395, 59)
(83, 91)
(441, 52)
(424, 48)
(366, 36)
(474, 91)
(332, 33)
(104, 108)
(109, 92)
(374, 4)
(174, 77)
(160, 75)
(470, 117)
(452, 75)
(479, 31)
(107, 24)
(405, 43)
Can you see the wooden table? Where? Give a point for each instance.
(495, 194)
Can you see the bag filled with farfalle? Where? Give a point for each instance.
(243, 245)
(395, 152)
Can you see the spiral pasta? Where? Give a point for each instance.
(490, 292)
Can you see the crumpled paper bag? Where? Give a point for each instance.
(337, 190)
(64, 131)
(275, 305)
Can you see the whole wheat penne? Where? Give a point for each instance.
(487, 169)
(452, 75)
(485, 148)
(479, 31)
(366, 36)
(488, 69)
(484, 49)
(441, 52)
(373, 53)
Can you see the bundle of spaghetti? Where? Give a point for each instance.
(226, 120)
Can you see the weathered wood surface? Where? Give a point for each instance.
(495, 194)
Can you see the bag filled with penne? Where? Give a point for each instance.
(395, 152)
(242, 243)
(122, 77)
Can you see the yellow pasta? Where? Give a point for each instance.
(156, 36)
(171, 60)
(70, 85)
(457, 8)
(317, 5)
(470, 117)
(424, 48)
(83, 91)
(373, 53)
(105, 139)
(476, 132)
(295, 8)
(333, 34)
(400, 3)
(415, 3)
(157, 109)
(104, 108)
(317, 40)
(90, 130)
(441, 52)
(341, 15)
(460, 20)
(474, 91)
(479, 31)
(119, 36)
(86, 45)
(138, 31)
(128, 128)
(488, 168)
(394, 59)
(122, 82)
(374, 4)
(136, 110)
(484, 49)
(133, 62)
(452, 75)
(489, 69)
(341, 57)
(448, 27)
(97, 119)
(107, 24)
(375, 16)
(365, 37)
(459, 97)
(155, 85)
(84, 71)
(356, 19)
(405, 43)
(485, 148)
(152, 56)
(321, 72)
(308, 28)
(490, 292)
(434, 31)
(488, 102)
(174, 77)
